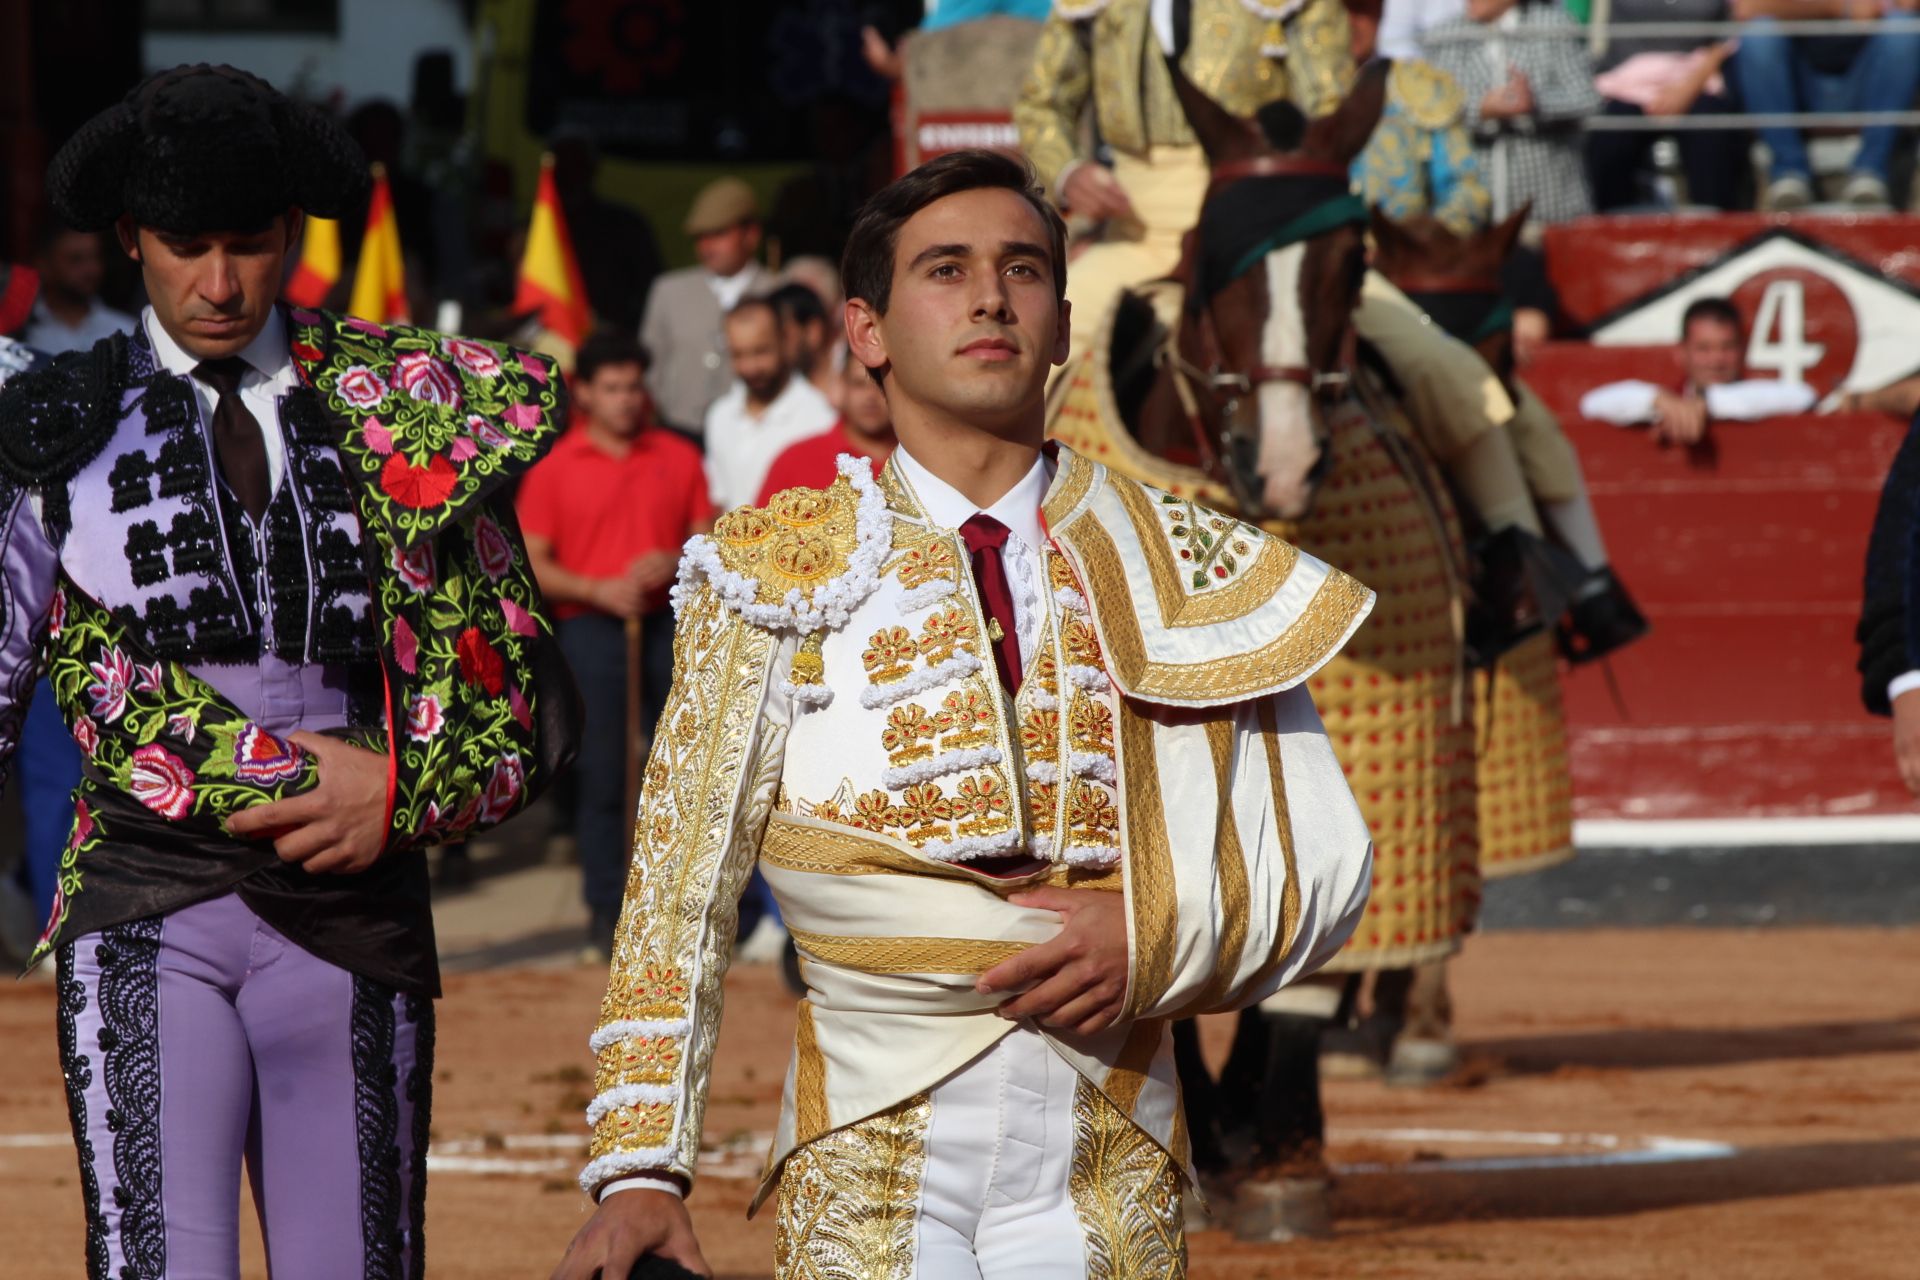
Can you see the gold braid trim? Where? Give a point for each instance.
(1149, 862)
(907, 955)
(1232, 862)
(809, 1079)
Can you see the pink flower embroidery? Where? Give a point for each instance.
(425, 719)
(415, 567)
(361, 387)
(519, 621)
(424, 376)
(488, 434)
(406, 646)
(82, 825)
(503, 788)
(534, 366)
(161, 781)
(111, 676)
(304, 316)
(260, 757)
(365, 326)
(149, 681)
(57, 616)
(491, 545)
(182, 726)
(521, 417)
(474, 357)
(517, 704)
(375, 435)
(86, 734)
(462, 448)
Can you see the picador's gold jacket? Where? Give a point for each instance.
(835, 714)
(1109, 55)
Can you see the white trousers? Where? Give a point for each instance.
(995, 1203)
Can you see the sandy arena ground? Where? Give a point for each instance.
(1798, 1049)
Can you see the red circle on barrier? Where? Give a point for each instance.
(1799, 326)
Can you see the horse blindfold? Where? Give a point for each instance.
(1247, 220)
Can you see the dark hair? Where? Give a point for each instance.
(755, 302)
(605, 347)
(1709, 309)
(866, 269)
(798, 304)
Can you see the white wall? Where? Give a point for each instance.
(372, 57)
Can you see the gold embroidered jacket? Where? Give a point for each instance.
(835, 714)
(1113, 59)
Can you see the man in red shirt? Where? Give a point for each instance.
(865, 430)
(604, 517)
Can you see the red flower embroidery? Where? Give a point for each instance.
(161, 781)
(306, 352)
(412, 486)
(86, 734)
(479, 663)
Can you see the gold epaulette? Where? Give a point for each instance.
(1430, 97)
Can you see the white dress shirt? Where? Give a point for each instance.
(1019, 510)
(270, 375)
(1629, 403)
(48, 333)
(741, 447)
(729, 290)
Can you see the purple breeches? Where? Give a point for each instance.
(193, 1038)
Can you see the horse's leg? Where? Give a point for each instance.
(1415, 1005)
(1200, 1096)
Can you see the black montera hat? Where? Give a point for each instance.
(205, 148)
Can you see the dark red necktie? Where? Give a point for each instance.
(985, 536)
(237, 442)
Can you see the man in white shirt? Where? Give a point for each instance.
(769, 407)
(68, 316)
(1712, 385)
(681, 329)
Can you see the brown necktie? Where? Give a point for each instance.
(237, 441)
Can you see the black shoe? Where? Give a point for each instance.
(1602, 618)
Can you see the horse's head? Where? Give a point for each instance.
(1455, 279)
(1272, 273)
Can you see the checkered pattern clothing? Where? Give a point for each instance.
(1536, 157)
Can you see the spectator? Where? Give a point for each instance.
(1666, 76)
(865, 430)
(1782, 73)
(767, 409)
(1712, 384)
(823, 277)
(806, 337)
(1529, 87)
(604, 517)
(683, 323)
(69, 315)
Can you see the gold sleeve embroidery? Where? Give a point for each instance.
(1052, 100)
(706, 795)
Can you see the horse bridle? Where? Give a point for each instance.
(1226, 388)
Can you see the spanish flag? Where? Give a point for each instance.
(549, 273)
(380, 279)
(319, 265)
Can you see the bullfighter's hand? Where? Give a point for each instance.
(338, 827)
(626, 1227)
(1077, 981)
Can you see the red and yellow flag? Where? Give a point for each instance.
(549, 273)
(319, 265)
(380, 279)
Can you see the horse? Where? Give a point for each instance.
(1256, 399)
